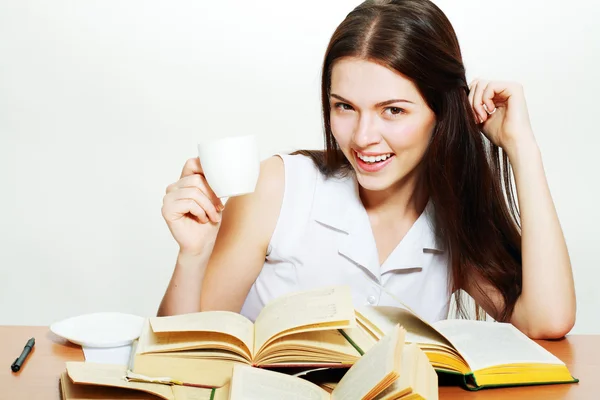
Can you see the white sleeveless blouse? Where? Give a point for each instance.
(323, 237)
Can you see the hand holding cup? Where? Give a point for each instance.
(192, 206)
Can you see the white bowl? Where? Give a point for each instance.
(105, 329)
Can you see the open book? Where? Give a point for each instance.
(388, 371)
(485, 353)
(92, 381)
(295, 330)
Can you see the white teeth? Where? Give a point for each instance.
(373, 159)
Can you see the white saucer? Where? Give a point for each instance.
(105, 329)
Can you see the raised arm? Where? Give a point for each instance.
(547, 305)
(236, 238)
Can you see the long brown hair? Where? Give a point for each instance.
(468, 178)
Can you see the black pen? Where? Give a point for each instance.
(16, 366)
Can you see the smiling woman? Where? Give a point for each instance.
(371, 132)
(411, 194)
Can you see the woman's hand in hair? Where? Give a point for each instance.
(547, 306)
(501, 109)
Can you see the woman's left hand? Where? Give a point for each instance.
(501, 109)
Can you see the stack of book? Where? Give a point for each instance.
(315, 345)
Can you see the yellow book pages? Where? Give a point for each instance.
(222, 393)
(383, 318)
(179, 342)
(250, 383)
(72, 391)
(433, 386)
(367, 327)
(328, 308)
(316, 346)
(206, 372)
(499, 354)
(361, 337)
(375, 370)
(427, 383)
(418, 379)
(409, 370)
(495, 353)
(529, 374)
(152, 342)
(488, 344)
(177, 355)
(224, 322)
(112, 375)
(442, 359)
(212, 355)
(192, 393)
(87, 378)
(328, 386)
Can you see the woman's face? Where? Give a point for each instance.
(380, 121)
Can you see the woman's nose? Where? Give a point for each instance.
(366, 133)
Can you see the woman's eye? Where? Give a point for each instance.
(343, 106)
(394, 110)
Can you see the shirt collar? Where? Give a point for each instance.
(338, 206)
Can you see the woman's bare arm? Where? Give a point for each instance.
(234, 257)
(241, 246)
(546, 308)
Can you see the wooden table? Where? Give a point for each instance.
(38, 380)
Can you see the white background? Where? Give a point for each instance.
(101, 103)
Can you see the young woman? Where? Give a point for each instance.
(410, 200)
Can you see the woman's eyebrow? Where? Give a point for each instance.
(382, 104)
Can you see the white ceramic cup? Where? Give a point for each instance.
(231, 165)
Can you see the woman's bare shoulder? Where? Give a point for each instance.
(251, 218)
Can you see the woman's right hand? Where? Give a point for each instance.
(192, 211)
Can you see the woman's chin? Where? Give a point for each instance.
(374, 183)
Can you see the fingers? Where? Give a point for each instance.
(476, 97)
(487, 98)
(191, 194)
(196, 181)
(481, 97)
(191, 200)
(192, 166)
(179, 208)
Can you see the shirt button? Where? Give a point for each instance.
(372, 300)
